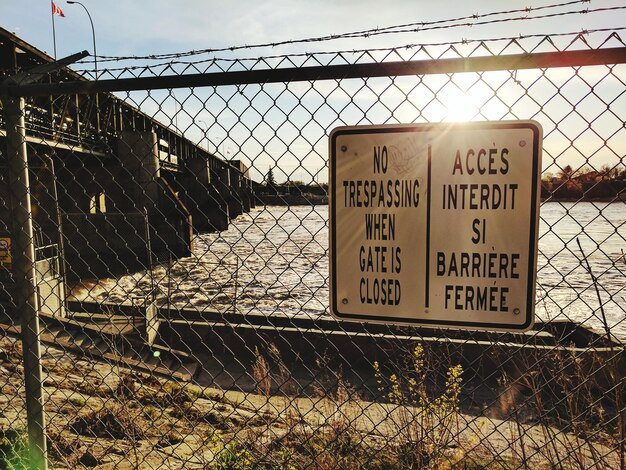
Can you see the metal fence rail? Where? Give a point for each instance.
(183, 316)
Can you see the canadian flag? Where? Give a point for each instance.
(57, 11)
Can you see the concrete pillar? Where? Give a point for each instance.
(208, 208)
(239, 187)
(217, 210)
(251, 194)
(143, 179)
(223, 184)
(139, 155)
(240, 181)
(235, 204)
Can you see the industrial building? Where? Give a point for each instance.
(112, 188)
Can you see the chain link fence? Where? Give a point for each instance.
(178, 267)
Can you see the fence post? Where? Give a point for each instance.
(23, 251)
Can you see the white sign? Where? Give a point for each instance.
(5, 252)
(435, 224)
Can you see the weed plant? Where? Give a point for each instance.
(13, 449)
(424, 424)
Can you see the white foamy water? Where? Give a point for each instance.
(275, 260)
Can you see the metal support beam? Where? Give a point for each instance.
(331, 72)
(41, 71)
(23, 253)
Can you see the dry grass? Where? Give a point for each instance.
(414, 422)
(110, 423)
(261, 373)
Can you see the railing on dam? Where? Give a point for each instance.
(196, 329)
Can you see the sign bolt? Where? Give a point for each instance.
(516, 311)
(344, 301)
(344, 148)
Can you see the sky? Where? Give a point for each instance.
(124, 27)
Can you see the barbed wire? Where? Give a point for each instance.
(407, 28)
(411, 46)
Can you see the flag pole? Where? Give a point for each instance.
(54, 36)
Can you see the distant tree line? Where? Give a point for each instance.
(606, 183)
(584, 183)
(290, 192)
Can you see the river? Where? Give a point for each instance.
(275, 260)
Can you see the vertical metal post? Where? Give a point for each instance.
(169, 287)
(59, 217)
(236, 282)
(149, 248)
(24, 274)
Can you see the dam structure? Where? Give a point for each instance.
(112, 188)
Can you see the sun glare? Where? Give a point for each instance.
(460, 106)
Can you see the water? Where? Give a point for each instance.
(564, 286)
(275, 260)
